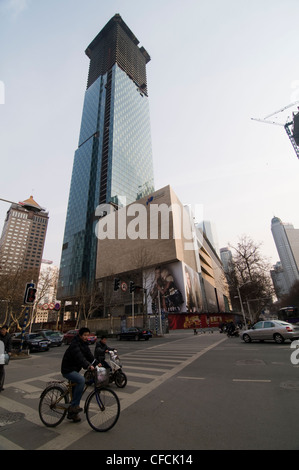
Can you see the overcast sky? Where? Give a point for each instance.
(214, 65)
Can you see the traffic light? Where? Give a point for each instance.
(30, 292)
(116, 283)
(132, 287)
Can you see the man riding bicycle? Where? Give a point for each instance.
(78, 356)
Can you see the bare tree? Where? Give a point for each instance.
(250, 273)
(90, 299)
(12, 289)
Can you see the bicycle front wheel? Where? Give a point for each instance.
(53, 405)
(102, 409)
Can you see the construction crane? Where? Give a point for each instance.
(293, 133)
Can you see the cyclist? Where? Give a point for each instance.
(100, 350)
(77, 356)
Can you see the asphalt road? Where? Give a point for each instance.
(184, 392)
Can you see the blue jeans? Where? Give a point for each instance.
(79, 380)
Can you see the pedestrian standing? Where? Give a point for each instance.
(5, 337)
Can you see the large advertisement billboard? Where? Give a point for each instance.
(172, 288)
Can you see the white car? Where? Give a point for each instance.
(272, 330)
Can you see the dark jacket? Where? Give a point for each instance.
(7, 342)
(77, 356)
(100, 349)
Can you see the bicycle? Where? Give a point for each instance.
(102, 406)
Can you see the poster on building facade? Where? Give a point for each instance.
(172, 288)
(193, 291)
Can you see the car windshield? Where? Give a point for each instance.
(52, 333)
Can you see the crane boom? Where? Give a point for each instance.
(285, 125)
(268, 122)
(282, 109)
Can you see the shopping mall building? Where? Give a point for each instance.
(155, 268)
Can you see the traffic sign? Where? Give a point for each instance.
(124, 286)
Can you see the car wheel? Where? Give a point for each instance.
(136, 337)
(246, 338)
(278, 338)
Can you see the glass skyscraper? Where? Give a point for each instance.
(113, 162)
(286, 239)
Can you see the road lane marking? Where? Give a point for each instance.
(145, 368)
(191, 378)
(251, 380)
(153, 359)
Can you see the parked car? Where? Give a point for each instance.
(54, 337)
(272, 330)
(134, 333)
(32, 341)
(68, 337)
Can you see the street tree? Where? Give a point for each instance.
(249, 275)
(90, 299)
(12, 289)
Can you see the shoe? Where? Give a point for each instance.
(73, 412)
(76, 418)
(76, 409)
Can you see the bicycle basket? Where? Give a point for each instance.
(102, 377)
(89, 377)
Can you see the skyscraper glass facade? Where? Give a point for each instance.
(286, 239)
(113, 162)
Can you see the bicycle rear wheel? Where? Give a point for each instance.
(53, 405)
(102, 409)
